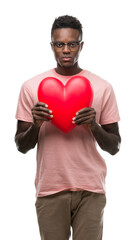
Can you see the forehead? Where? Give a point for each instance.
(66, 34)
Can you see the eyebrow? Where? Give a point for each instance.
(64, 42)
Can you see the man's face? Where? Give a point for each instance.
(66, 56)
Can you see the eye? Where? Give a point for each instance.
(72, 44)
(59, 44)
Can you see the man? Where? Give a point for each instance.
(70, 177)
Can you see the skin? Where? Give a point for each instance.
(107, 136)
(71, 67)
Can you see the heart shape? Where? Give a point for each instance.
(65, 100)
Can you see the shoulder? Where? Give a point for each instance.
(34, 81)
(95, 79)
(30, 87)
(100, 85)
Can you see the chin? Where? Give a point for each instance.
(70, 66)
(67, 65)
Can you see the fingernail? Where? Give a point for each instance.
(73, 121)
(52, 116)
(50, 111)
(46, 105)
(77, 113)
(73, 118)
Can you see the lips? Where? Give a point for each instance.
(66, 59)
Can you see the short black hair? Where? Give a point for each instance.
(67, 21)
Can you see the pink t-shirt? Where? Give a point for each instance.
(69, 161)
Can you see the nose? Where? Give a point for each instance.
(66, 49)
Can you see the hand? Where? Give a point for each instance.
(85, 116)
(41, 113)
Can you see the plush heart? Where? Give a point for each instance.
(65, 100)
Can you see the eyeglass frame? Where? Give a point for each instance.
(53, 43)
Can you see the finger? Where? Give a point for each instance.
(87, 121)
(87, 109)
(41, 109)
(37, 117)
(41, 114)
(82, 119)
(41, 104)
(90, 113)
(87, 118)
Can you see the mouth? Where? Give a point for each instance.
(66, 59)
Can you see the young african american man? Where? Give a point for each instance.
(70, 176)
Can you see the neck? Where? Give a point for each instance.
(68, 71)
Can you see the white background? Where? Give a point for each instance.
(110, 52)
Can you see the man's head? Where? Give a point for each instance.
(66, 40)
(67, 22)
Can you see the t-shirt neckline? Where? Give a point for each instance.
(67, 76)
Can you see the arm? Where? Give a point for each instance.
(26, 135)
(107, 135)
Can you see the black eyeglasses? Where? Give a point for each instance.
(71, 45)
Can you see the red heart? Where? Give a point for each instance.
(65, 100)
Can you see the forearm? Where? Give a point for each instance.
(28, 139)
(107, 141)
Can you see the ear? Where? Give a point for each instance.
(52, 46)
(81, 45)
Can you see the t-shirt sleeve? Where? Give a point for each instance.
(109, 108)
(24, 106)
